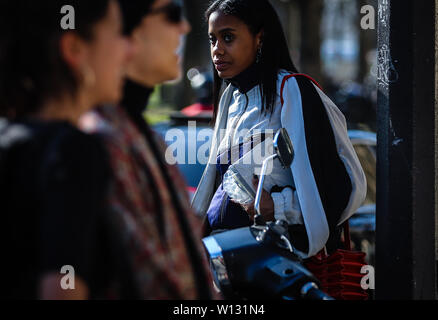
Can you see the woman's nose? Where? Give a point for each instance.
(185, 26)
(217, 49)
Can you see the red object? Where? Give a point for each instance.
(296, 75)
(339, 273)
(197, 109)
(191, 189)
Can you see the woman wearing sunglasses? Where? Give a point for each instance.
(263, 94)
(56, 237)
(150, 195)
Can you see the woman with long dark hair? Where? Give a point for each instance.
(55, 241)
(263, 93)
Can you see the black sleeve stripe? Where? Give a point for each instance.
(331, 176)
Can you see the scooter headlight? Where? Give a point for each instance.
(217, 263)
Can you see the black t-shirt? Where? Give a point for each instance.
(53, 188)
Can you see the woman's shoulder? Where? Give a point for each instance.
(287, 78)
(282, 73)
(294, 85)
(74, 158)
(35, 134)
(66, 138)
(285, 81)
(69, 148)
(61, 139)
(59, 152)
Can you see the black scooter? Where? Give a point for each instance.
(259, 262)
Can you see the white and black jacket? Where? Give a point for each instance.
(329, 180)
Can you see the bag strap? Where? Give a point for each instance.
(295, 75)
(346, 226)
(347, 239)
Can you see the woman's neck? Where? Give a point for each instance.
(135, 97)
(247, 79)
(67, 109)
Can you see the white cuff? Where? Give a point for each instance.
(278, 200)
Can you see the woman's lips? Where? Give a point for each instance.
(221, 66)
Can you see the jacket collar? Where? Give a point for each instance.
(135, 97)
(247, 79)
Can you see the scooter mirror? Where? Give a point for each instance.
(283, 147)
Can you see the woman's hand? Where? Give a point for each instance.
(266, 204)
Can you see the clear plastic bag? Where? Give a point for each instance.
(237, 188)
(237, 181)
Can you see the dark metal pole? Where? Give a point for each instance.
(406, 164)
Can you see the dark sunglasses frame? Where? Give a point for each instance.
(173, 12)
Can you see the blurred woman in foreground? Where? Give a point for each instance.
(53, 178)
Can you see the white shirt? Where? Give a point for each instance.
(245, 119)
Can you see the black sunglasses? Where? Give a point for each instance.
(173, 12)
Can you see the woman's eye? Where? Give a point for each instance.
(212, 40)
(228, 38)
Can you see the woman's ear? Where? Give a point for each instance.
(73, 51)
(259, 39)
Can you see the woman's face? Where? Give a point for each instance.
(233, 47)
(107, 56)
(157, 44)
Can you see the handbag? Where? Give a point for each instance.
(339, 272)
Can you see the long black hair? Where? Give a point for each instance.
(32, 69)
(258, 15)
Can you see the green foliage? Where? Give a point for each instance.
(157, 111)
